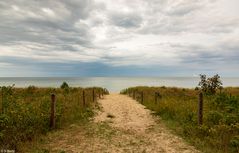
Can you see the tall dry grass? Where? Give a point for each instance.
(25, 112)
(178, 108)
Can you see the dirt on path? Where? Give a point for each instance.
(122, 125)
(126, 114)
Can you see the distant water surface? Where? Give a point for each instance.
(113, 84)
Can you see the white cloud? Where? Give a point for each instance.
(48, 12)
(122, 33)
(15, 8)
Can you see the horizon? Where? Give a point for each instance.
(112, 84)
(102, 38)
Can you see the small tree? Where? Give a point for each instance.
(64, 85)
(210, 85)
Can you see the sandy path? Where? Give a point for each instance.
(126, 114)
(122, 126)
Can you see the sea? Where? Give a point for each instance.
(113, 84)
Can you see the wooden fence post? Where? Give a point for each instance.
(2, 108)
(83, 96)
(133, 94)
(155, 97)
(142, 97)
(200, 109)
(93, 95)
(53, 111)
(78, 98)
(102, 93)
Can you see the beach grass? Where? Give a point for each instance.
(25, 112)
(178, 108)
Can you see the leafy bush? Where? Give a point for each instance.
(105, 91)
(229, 103)
(64, 85)
(210, 85)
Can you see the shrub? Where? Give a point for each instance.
(226, 103)
(64, 85)
(210, 85)
(105, 91)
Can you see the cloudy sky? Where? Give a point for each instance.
(119, 37)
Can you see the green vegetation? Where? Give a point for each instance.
(210, 85)
(25, 112)
(178, 108)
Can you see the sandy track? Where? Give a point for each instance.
(129, 115)
(122, 126)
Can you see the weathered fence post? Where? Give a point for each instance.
(53, 111)
(102, 93)
(83, 96)
(142, 97)
(2, 109)
(156, 97)
(200, 109)
(93, 95)
(99, 95)
(78, 98)
(133, 94)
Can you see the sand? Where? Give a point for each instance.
(121, 126)
(129, 115)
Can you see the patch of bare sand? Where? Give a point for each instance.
(123, 126)
(128, 115)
